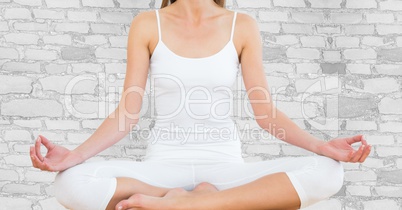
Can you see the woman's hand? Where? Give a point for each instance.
(57, 158)
(341, 149)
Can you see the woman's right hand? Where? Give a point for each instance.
(57, 158)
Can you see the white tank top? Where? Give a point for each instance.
(193, 102)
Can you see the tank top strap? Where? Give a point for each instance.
(233, 25)
(159, 24)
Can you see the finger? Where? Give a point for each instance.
(37, 149)
(31, 154)
(350, 155)
(49, 145)
(364, 141)
(39, 164)
(358, 154)
(366, 153)
(354, 139)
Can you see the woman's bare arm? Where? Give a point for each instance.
(267, 115)
(119, 123)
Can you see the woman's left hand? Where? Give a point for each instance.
(341, 149)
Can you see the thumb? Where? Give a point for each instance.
(49, 145)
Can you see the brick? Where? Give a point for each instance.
(391, 5)
(62, 124)
(29, 2)
(373, 41)
(392, 54)
(347, 42)
(389, 69)
(112, 68)
(253, 4)
(86, 109)
(45, 55)
(15, 203)
(359, 29)
(380, 140)
(39, 176)
(116, 17)
(389, 105)
(360, 125)
(289, 3)
(53, 136)
(278, 67)
(295, 151)
(106, 28)
(22, 189)
(392, 127)
(317, 85)
(346, 18)
(111, 53)
(22, 38)
(31, 108)
(95, 40)
(358, 68)
(8, 53)
(4, 26)
(295, 109)
(336, 68)
(328, 29)
(18, 160)
(312, 41)
(308, 68)
(69, 84)
(286, 40)
(97, 3)
(55, 68)
(92, 124)
(76, 53)
(380, 18)
(277, 83)
(77, 137)
(389, 191)
(308, 17)
(274, 28)
(379, 204)
(48, 14)
(326, 4)
(381, 85)
(17, 13)
(290, 28)
(360, 54)
(274, 53)
(30, 26)
(355, 107)
(389, 29)
(82, 16)
(28, 123)
(263, 149)
(373, 163)
(399, 163)
(4, 148)
(62, 4)
(8, 175)
(358, 190)
(22, 67)
(361, 4)
(273, 16)
(15, 84)
(392, 177)
(144, 3)
(360, 176)
(63, 39)
(332, 56)
(118, 41)
(303, 53)
(86, 67)
(72, 27)
(17, 135)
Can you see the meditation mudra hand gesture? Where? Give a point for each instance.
(195, 175)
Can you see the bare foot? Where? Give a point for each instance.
(172, 200)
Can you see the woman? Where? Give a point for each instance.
(196, 59)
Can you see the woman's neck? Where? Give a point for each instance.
(195, 10)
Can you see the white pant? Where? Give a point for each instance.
(91, 185)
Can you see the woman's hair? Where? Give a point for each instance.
(165, 3)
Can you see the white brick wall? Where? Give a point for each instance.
(336, 61)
